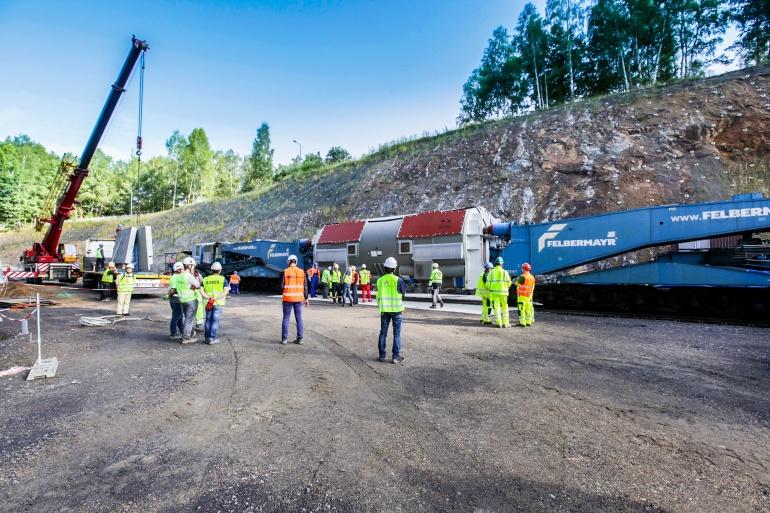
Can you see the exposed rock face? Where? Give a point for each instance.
(694, 141)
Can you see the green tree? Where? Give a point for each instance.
(697, 26)
(174, 146)
(198, 166)
(261, 159)
(312, 161)
(752, 18)
(337, 154)
(228, 166)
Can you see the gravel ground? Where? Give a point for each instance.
(576, 414)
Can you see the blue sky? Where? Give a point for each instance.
(352, 73)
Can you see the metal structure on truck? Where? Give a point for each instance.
(46, 258)
(698, 277)
(260, 263)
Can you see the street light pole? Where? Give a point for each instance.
(300, 148)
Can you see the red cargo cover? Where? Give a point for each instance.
(432, 224)
(349, 231)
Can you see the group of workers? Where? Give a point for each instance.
(494, 287)
(341, 287)
(198, 302)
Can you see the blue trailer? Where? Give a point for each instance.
(260, 263)
(555, 248)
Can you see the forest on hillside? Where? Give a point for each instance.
(583, 48)
(190, 172)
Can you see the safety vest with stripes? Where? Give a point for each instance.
(348, 278)
(293, 285)
(235, 279)
(336, 276)
(436, 276)
(498, 281)
(107, 277)
(525, 285)
(325, 276)
(126, 283)
(182, 285)
(389, 299)
(214, 285)
(366, 276)
(481, 286)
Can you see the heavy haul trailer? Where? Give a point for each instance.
(697, 280)
(452, 238)
(260, 263)
(46, 260)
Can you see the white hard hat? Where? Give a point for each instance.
(111, 264)
(292, 258)
(435, 265)
(129, 265)
(188, 261)
(216, 266)
(178, 266)
(353, 267)
(336, 266)
(391, 263)
(363, 266)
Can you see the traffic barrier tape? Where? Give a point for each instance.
(15, 319)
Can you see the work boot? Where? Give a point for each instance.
(433, 306)
(284, 341)
(188, 340)
(175, 337)
(507, 325)
(382, 359)
(442, 305)
(299, 341)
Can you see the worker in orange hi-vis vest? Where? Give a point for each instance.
(235, 282)
(313, 277)
(294, 298)
(525, 288)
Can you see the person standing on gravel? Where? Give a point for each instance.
(312, 276)
(335, 279)
(108, 281)
(525, 288)
(235, 282)
(354, 284)
(366, 284)
(177, 315)
(294, 298)
(391, 290)
(347, 281)
(325, 281)
(215, 292)
(188, 298)
(482, 290)
(498, 283)
(125, 283)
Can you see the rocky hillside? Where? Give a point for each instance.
(692, 141)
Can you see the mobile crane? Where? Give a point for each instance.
(48, 259)
(733, 282)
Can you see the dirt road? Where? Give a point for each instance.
(575, 414)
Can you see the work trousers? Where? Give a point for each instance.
(325, 290)
(346, 294)
(354, 292)
(177, 317)
(385, 320)
(234, 288)
(287, 309)
(124, 302)
(107, 290)
(337, 292)
(500, 306)
(189, 308)
(100, 264)
(486, 308)
(313, 285)
(526, 310)
(211, 328)
(435, 292)
(366, 293)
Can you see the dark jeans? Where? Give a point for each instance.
(354, 291)
(234, 288)
(385, 319)
(337, 292)
(325, 290)
(177, 317)
(287, 309)
(211, 328)
(189, 310)
(100, 264)
(346, 294)
(108, 290)
(313, 285)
